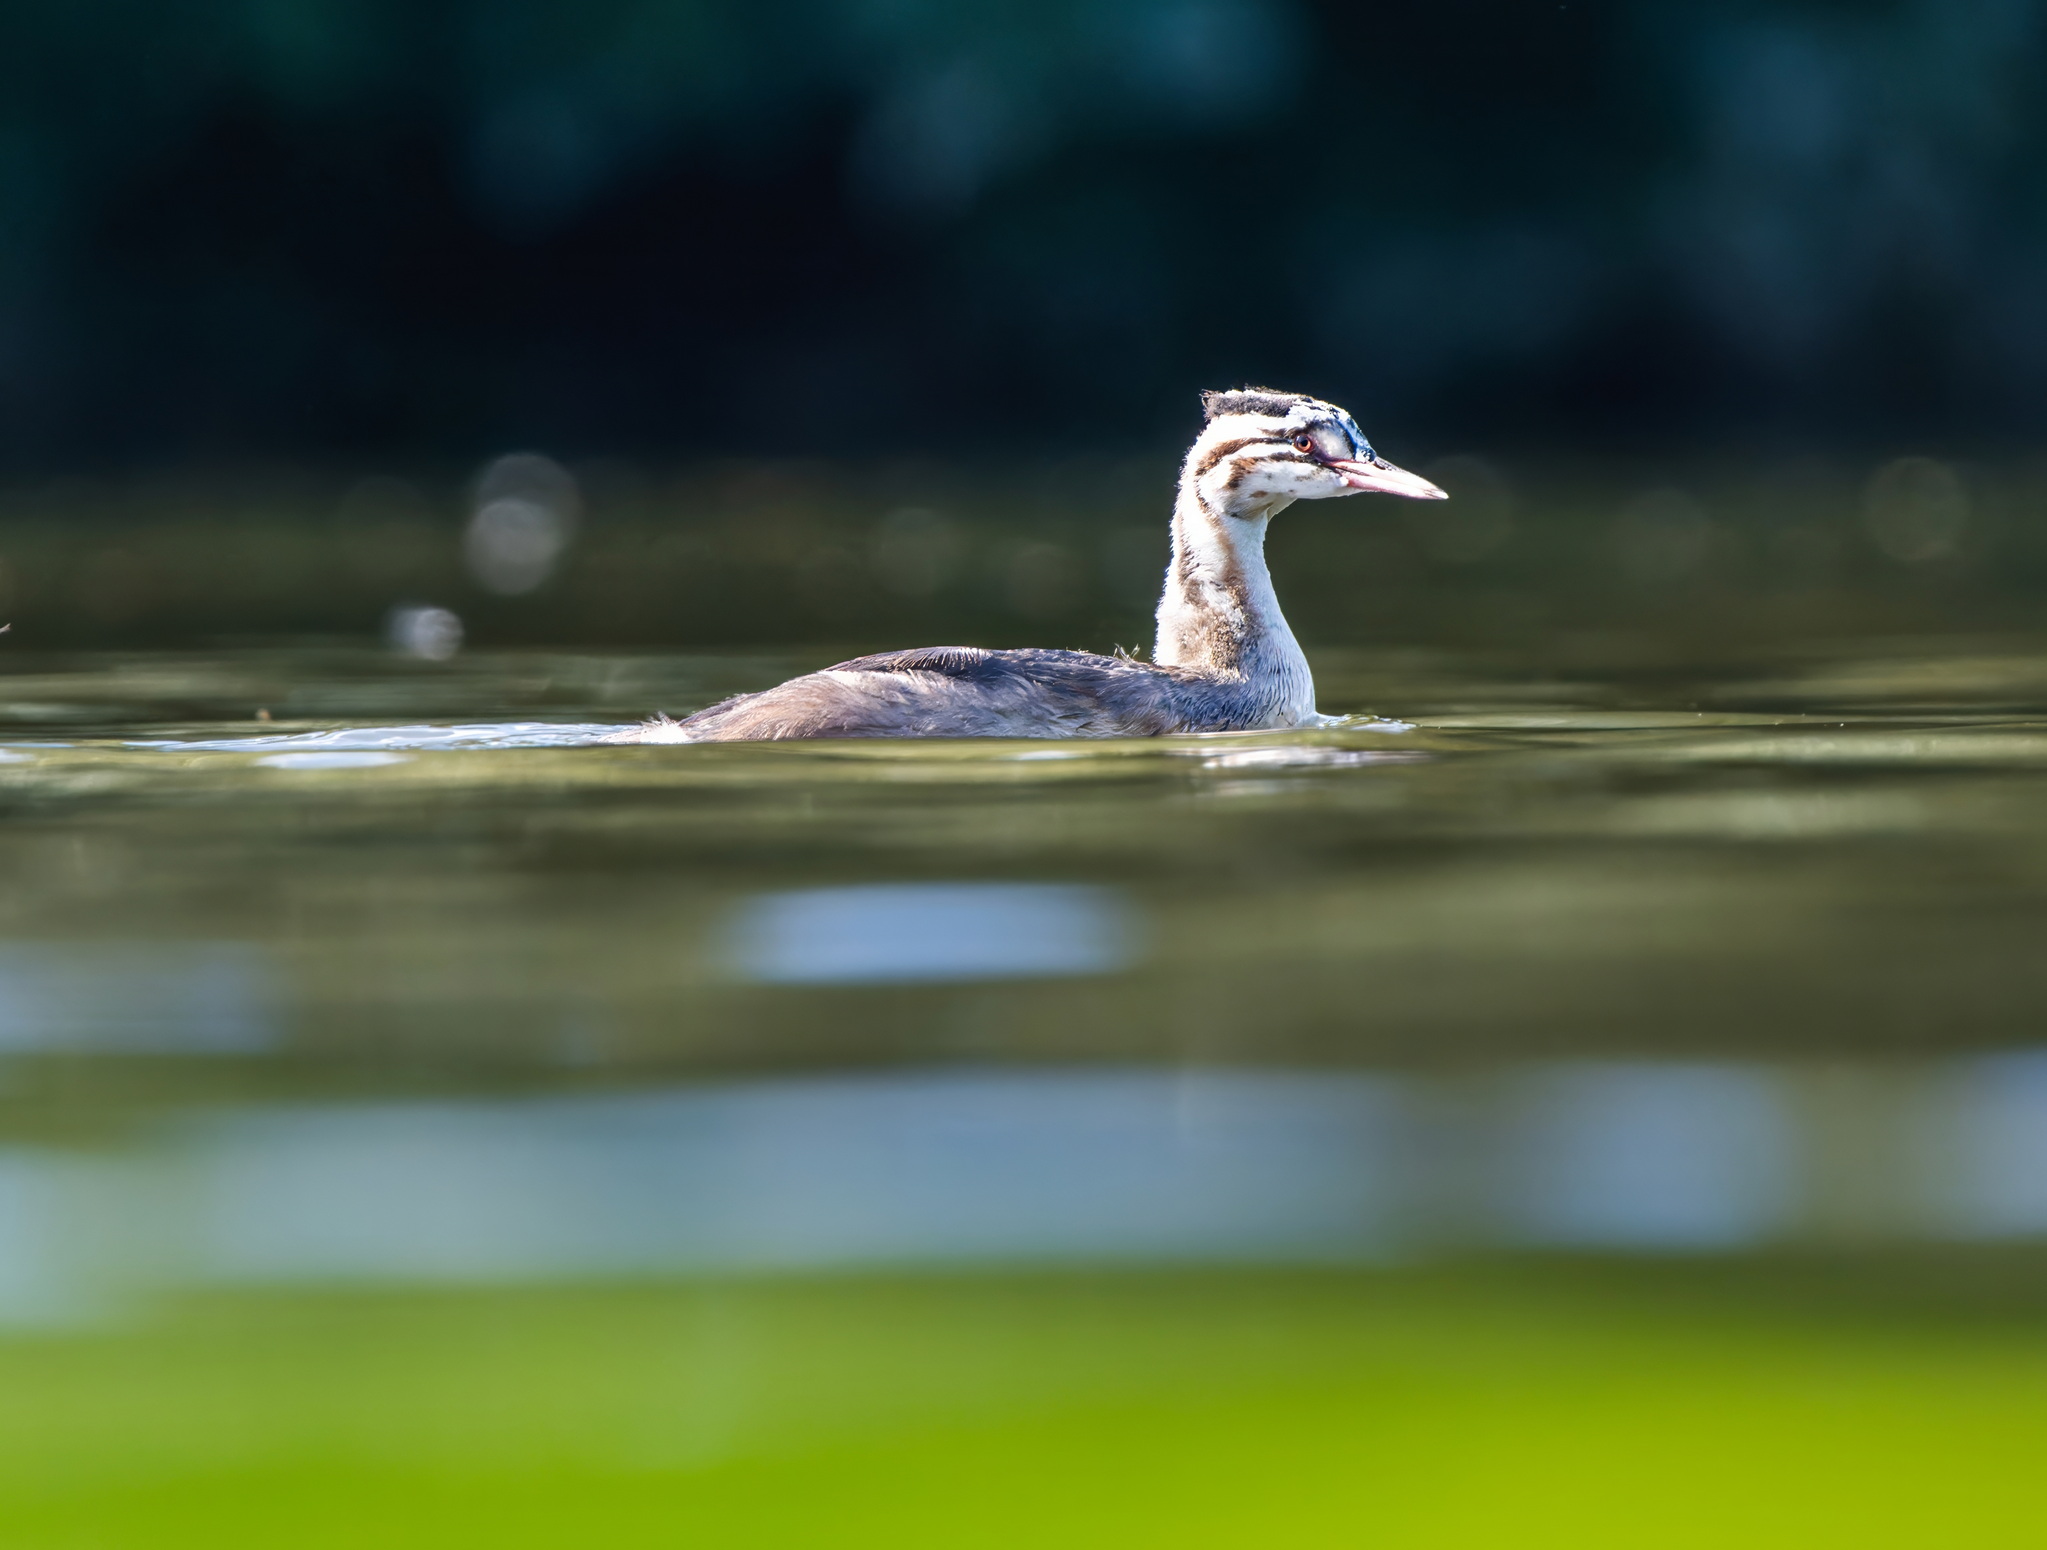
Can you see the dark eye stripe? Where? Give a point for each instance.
(1230, 449)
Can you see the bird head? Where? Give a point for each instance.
(1262, 448)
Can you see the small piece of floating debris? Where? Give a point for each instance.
(1225, 660)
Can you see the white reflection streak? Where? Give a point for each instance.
(36, 1286)
(1646, 1156)
(931, 1168)
(1990, 1148)
(1025, 1167)
(1306, 758)
(900, 933)
(496, 734)
(137, 997)
(338, 759)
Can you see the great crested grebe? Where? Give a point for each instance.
(1224, 661)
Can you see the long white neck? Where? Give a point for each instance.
(1219, 614)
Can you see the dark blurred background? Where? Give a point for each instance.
(256, 252)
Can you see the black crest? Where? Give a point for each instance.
(1250, 400)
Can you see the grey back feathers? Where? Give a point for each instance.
(968, 691)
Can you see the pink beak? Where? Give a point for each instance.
(1384, 477)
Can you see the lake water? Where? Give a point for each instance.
(418, 978)
(1560, 1088)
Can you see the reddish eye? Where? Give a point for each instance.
(1303, 443)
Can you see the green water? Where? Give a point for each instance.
(1474, 1408)
(1587, 1100)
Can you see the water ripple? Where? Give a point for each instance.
(490, 734)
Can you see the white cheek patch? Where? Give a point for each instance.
(1258, 478)
(1234, 479)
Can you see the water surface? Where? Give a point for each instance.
(435, 874)
(1765, 931)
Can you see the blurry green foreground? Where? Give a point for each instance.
(1866, 1403)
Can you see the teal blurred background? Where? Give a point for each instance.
(320, 228)
(853, 322)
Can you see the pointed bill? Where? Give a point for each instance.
(1384, 477)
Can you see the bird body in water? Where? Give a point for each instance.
(1224, 659)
